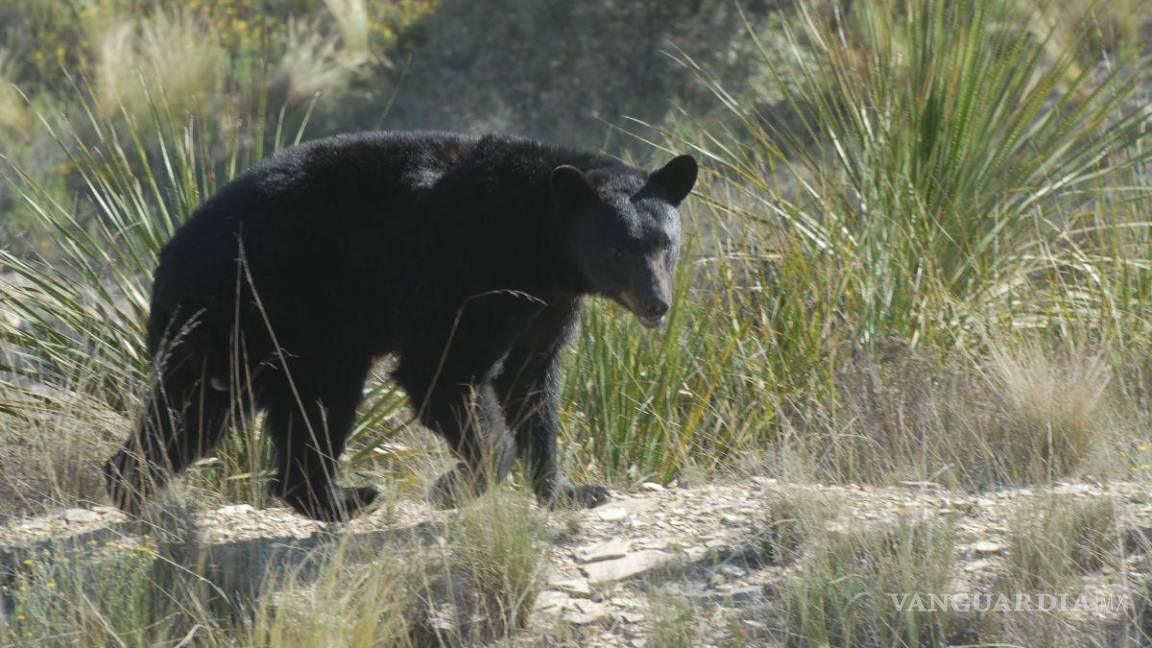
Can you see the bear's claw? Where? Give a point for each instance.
(580, 496)
(340, 505)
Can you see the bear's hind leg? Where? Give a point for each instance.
(185, 418)
(309, 425)
(469, 417)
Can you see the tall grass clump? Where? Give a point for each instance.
(953, 157)
(643, 404)
(73, 344)
(47, 600)
(1053, 541)
(498, 555)
(673, 622)
(1025, 413)
(926, 176)
(109, 591)
(176, 52)
(855, 590)
(348, 603)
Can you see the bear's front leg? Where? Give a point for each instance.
(530, 392)
(471, 420)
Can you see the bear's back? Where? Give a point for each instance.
(330, 218)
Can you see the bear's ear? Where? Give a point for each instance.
(675, 180)
(571, 187)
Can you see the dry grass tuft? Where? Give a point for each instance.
(1056, 409)
(175, 56)
(498, 545)
(1023, 416)
(351, 17)
(673, 623)
(1053, 541)
(846, 594)
(14, 113)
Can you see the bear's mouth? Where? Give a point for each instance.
(649, 321)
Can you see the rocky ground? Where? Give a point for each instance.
(704, 546)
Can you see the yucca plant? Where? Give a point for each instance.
(77, 325)
(925, 175)
(938, 160)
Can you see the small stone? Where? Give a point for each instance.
(732, 520)
(613, 514)
(574, 586)
(753, 624)
(585, 613)
(631, 617)
(609, 549)
(607, 571)
(987, 547)
(732, 571)
(79, 516)
(744, 594)
(551, 601)
(977, 565)
(694, 554)
(651, 487)
(656, 543)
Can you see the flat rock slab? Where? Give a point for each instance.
(609, 549)
(620, 509)
(634, 564)
(577, 587)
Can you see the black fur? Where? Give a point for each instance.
(465, 258)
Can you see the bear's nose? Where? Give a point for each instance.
(657, 309)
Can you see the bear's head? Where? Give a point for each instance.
(624, 230)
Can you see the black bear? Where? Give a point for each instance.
(464, 258)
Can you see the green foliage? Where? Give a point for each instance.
(920, 250)
(78, 334)
(950, 154)
(674, 623)
(350, 603)
(945, 180)
(114, 580)
(849, 595)
(498, 546)
(641, 405)
(1052, 542)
